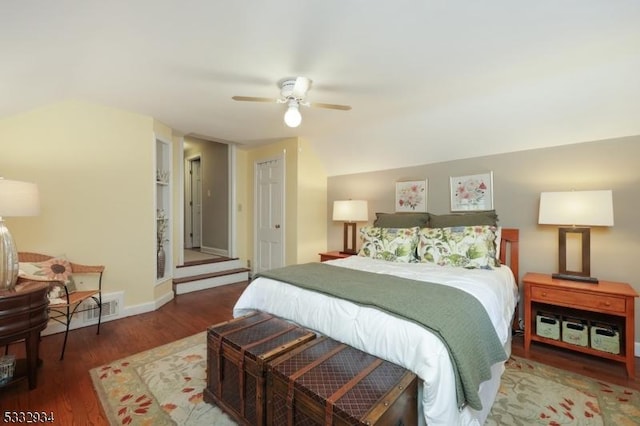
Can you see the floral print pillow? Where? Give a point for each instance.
(466, 246)
(392, 244)
(54, 269)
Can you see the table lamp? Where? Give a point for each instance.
(16, 199)
(576, 208)
(350, 212)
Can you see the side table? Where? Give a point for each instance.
(331, 255)
(23, 315)
(607, 301)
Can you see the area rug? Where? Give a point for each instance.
(163, 386)
(536, 394)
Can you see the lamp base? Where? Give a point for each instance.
(346, 248)
(349, 252)
(579, 278)
(8, 259)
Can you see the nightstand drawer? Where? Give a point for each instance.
(572, 298)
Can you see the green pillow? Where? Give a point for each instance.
(484, 218)
(401, 220)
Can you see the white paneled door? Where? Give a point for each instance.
(269, 202)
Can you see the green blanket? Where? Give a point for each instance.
(453, 315)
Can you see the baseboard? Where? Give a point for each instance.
(168, 297)
(78, 322)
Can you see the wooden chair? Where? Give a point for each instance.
(64, 312)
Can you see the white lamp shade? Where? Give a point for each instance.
(580, 208)
(18, 198)
(350, 211)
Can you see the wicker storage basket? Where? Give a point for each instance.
(7, 367)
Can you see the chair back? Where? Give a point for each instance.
(25, 256)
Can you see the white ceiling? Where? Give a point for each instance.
(428, 80)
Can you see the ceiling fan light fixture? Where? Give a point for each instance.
(292, 116)
(293, 92)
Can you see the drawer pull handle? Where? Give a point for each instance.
(544, 294)
(607, 303)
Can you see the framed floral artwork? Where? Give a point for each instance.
(472, 192)
(411, 196)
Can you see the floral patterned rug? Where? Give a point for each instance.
(163, 386)
(536, 394)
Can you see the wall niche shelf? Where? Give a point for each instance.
(163, 216)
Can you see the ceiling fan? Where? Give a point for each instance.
(293, 92)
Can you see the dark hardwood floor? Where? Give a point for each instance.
(65, 388)
(587, 365)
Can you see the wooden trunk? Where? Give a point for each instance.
(325, 382)
(237, 356)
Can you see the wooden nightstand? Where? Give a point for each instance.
(603, 303)
(331, 255)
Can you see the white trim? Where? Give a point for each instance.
(232, 199)
(212, 282)
(233, 211)
(163, 300)
(169, 204)
(206, 268)
(180, 212)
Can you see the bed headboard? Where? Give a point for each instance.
(509, 250)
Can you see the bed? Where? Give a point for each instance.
(401, 340)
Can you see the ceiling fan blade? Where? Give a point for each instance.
(330, 106)
(301, 87)
(253, 99)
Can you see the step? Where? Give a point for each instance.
(209, 280)
(201, 267)
(203, 261)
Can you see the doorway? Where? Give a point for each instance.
(207, 219)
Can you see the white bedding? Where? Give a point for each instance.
(402, 342)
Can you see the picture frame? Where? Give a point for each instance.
(472, 192)
(411, 196)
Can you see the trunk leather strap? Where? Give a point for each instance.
(243, 352)
(303, 370)
(241, 380)
(331, 400)
(242, 327)
(219, 341)
(271, 336)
